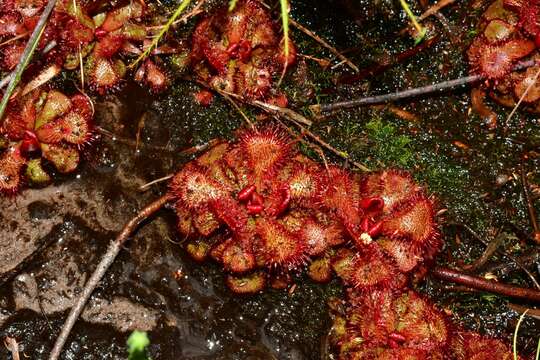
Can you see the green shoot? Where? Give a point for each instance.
(421, 31)
(285, 23)
(538, 350)
(516, 333)
(179, 10)
(26, 56)
(137, 343)
(232, 4)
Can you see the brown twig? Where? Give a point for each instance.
(285, 112)
(435, 9)
(194, 12)
(130, 142)
(400, 95)
(491, 248)
(198, 148)
(321, 41)
(505, 267)
(530, 205)
(519, 263)
(156, 181)
(15, 38)
(101, 269)
(485, 285)
(237, 108)
(12, 345)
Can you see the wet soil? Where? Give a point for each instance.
(185, 307)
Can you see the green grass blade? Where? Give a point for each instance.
(421, 31)
(514, 346)
(232, 4)
(285, 23)
(26, 56)
(179, 10)
(538, 350)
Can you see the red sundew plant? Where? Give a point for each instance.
(265, 212)
(467, 345)
(282, 210)
(529, 13)
(42, 126)
(405, 325)
(101, 41)
(240, 51)
(116, 31)
(509, 35)
(70, 28)
(391, 325)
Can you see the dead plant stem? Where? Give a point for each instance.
(106, 261)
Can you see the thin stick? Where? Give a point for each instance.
(15, 38)
(318, 39)
(26, 56)
(507, 122)
(196, 11)
(485, 285)
(321, 41)
(435, 9)
(237, 108)
(198, 148)
(519, 263)
(129, 142)
(288, 113)
(153, 182)
(81, 68)
(101, 269)
(400, 95)
(272, 109)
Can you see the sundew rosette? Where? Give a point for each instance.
(261, 209)
(42, 127)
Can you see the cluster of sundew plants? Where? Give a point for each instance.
(275, 212)
(509, 33)
(95, 40)
(265, 213)
(236, 51)
(281, 213)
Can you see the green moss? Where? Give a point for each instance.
(390, 148)
(443, 176)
